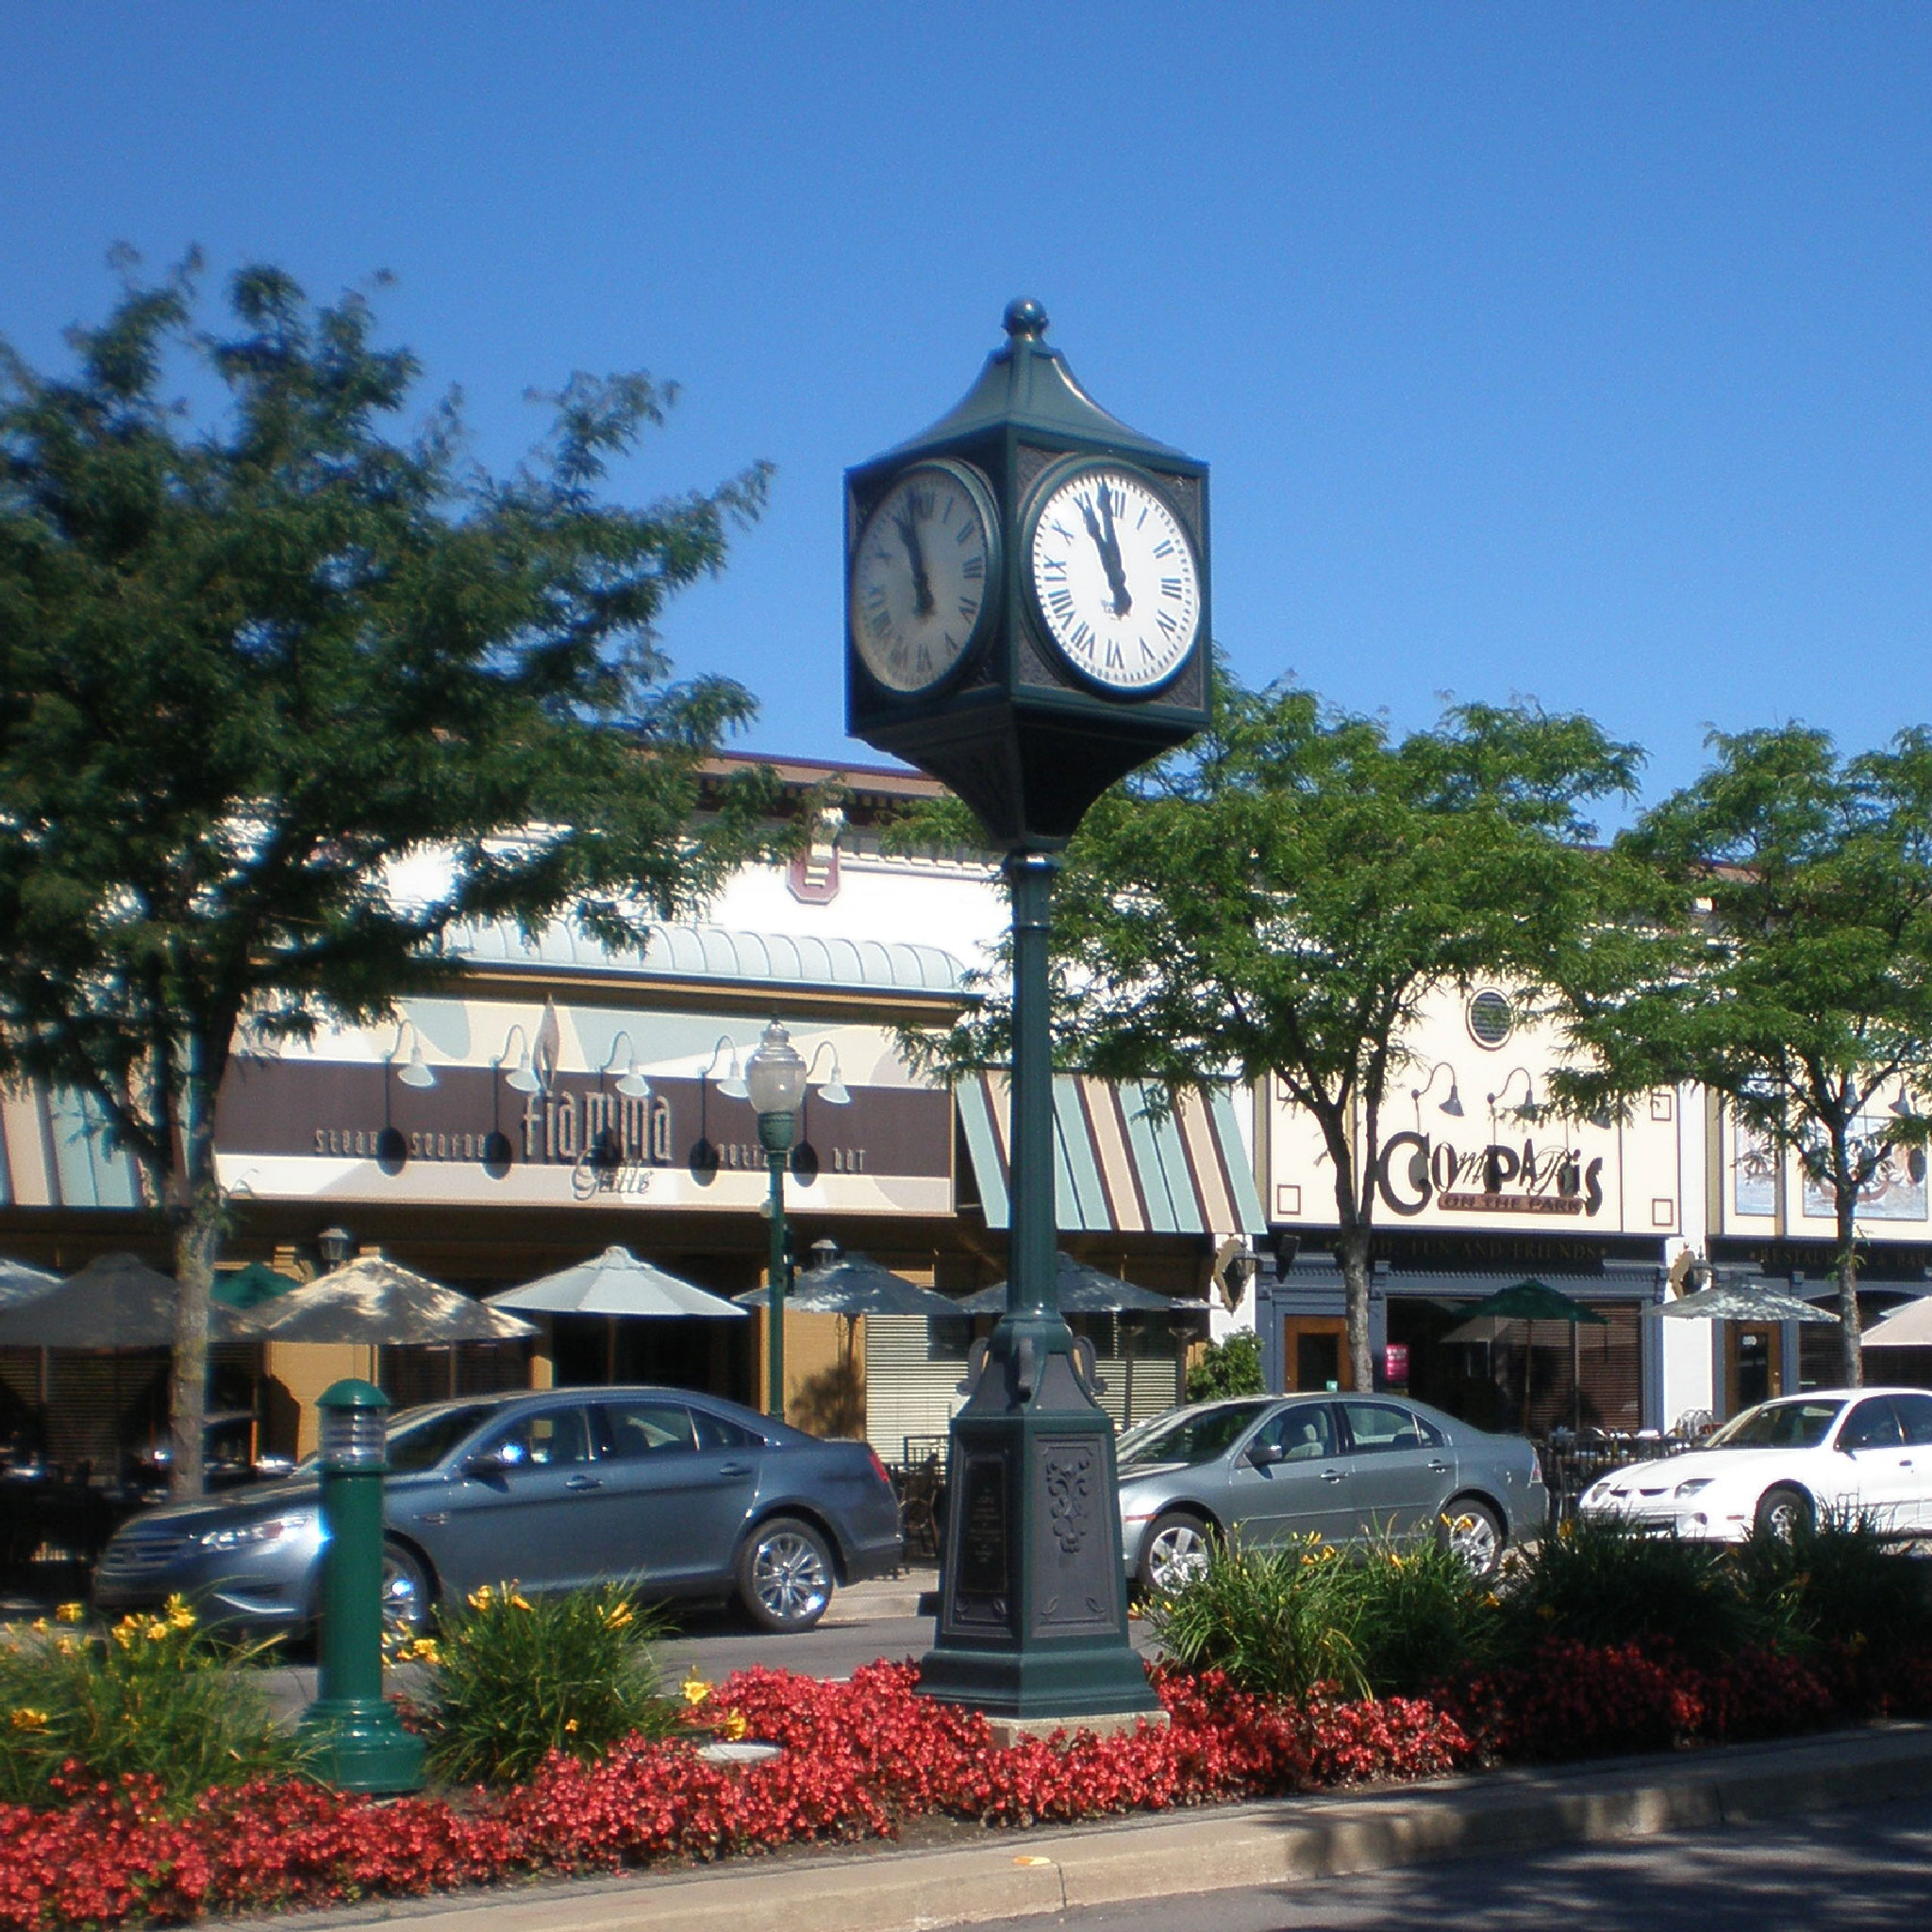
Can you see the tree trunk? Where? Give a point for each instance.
(1352, 1250)
(197, 1240)
(1851, 1354)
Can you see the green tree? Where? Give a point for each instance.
(1278, 901)
(1231, 1366)
(285, 692)
(1785, 963)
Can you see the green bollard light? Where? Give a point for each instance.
(358, 1741)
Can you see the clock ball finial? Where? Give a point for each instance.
(1025, 320)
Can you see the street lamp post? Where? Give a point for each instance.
(774, 1081)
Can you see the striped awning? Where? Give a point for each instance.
(1117, 1167)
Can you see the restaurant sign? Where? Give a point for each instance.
(1555, 1178)
(301, 1127)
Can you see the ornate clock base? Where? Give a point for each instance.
(1033, 1603)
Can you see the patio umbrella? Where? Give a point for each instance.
(1735, 1303)
(19, 1283)
(249, 1287)
(372, 1301)
(1083, 1290)
(1529, 1302)
(856, 1285)
(1910, 1325)
(617, 1286)
(115, 1302)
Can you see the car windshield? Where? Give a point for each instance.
(420, 1441)
(1193, 1436)
(1778, 1425)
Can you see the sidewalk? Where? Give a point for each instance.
(1016, 1873)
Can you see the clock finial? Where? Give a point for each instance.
(1025, 320)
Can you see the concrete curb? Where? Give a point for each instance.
(1019, 1873)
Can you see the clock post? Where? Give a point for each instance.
(1026, 619)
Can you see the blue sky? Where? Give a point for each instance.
(1580, 352)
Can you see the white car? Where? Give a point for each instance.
(1837, 1455)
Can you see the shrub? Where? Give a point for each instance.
(1229, 1367)
(1419, 1617)
(512, 1678)
(1603, 1586)
(155, 1697)
(1840, 1583)
(1274, 1622)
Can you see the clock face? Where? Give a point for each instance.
(921, 577)
(1114, 578)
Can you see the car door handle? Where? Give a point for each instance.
(1439, 1468)
(585, 1482)
(1333, 1476)
(734, 1469)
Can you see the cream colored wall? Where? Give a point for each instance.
(1630, 1175)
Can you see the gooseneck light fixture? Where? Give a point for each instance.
(834, 1091)
(417, 1071)
(521, 1078)
(1528, 1110)
(631, 1082)
(1452, 1106)
(732, 1085)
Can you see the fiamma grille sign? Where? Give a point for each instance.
(303, 1126)
(1416, 1170)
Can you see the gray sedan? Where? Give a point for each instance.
(685, 1495)
(1346, 1467)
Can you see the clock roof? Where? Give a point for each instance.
(1028, 386)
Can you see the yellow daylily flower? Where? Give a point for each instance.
(71, 1613)
(570, 1724)
(522, 1603)
(734, 1726)
(695, 1688)
(27, 1719)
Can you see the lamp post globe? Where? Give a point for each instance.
(774, 1083)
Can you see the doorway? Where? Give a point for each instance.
(1754, 1364)
(1314, 1353)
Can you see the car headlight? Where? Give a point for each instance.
(265, 1529)
(1694, 1487)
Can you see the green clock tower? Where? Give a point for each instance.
(1026, 620)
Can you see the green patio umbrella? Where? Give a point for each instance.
(1531, 1301)
(247, 1287)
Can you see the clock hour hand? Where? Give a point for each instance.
(1108, 545)
(922, 605)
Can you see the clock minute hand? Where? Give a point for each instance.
(1111, 556)
(922, 605)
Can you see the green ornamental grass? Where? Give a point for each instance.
(154, 1696)
(513, 1677)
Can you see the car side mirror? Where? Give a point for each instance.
(1265, 1455)
(494, 1462)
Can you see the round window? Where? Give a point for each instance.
(1490, 1019)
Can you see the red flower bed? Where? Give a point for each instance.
(861, 1757)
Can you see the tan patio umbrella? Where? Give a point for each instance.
(375, 1302)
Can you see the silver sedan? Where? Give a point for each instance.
(1346, 1468)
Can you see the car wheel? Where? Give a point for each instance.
(1784, 1513)
(784, 1574)
(1175, 1553)
(408, 1591)
(1473, 1531)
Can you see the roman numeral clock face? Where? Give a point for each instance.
(921, 577)
(1115, 579)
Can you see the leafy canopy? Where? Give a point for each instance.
(288, 690)
(1787, 963)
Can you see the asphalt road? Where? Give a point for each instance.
(1869, 1870)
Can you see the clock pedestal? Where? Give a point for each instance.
(1033, 1606)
